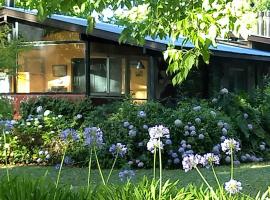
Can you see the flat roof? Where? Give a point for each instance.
(112, 32)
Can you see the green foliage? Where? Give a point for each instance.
(6, 108)
(262, 5)
(199, 22)
(9, 50)
(42, 189)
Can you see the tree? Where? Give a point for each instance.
(9, 50)
(198, 21)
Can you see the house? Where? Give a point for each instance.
(65, 61)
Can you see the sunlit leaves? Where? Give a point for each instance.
(199, 21)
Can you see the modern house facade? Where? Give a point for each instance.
(65, 61)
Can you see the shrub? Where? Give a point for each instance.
(6, 108)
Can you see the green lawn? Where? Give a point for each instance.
(254, 177)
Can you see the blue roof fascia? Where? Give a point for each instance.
(117, 30)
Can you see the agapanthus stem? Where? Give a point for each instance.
(100, 172)
(5, 151)
(231, 163)
(208, 185)
(112, 167)
(160, 171)
(89, 170)
(154, 168)
(217, 180)
(59, 172)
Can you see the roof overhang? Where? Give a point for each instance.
(112, 33)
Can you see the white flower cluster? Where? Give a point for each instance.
(229, 146)
(233, 186)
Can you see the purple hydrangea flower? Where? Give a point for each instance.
(69, 134)
(119, 149)
(93, 137)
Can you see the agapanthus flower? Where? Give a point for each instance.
(190, 161)
(40, 153)
(39, 109)
(69, 134)
(160, 131)
(210, 159)
(119, 149)
(153, 144)
(141, 114)
(229, 146)
(126, 175)
(233, 186)
(178, 122)
(93, 137)
(224, 91)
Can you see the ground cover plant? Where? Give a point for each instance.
(128, 136)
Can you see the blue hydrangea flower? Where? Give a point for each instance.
(126, 124)
(174, 155)
(93, 137)
(126, 175)
(132, 133)
(68, 160)
(141, 114)
(79, 116)
(197, 108)
(201, 136)
(145, 127)
(176, 161)
(140, 164)
(119, 149)
(168, 142)
(198, 120)
(178, 123)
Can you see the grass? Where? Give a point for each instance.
(254, 177)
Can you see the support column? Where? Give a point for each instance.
(152, 78)
(87, 67)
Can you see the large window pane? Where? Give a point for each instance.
(6, 83)
(138, 79)
(31, 33)
(51, 68)
(98, 75)
(115, 77)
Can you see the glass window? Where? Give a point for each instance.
(31, 33)
(106, 76)
(138, 79)
(98, 75)
(6, 83)
(52, 68)
(238, 78)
